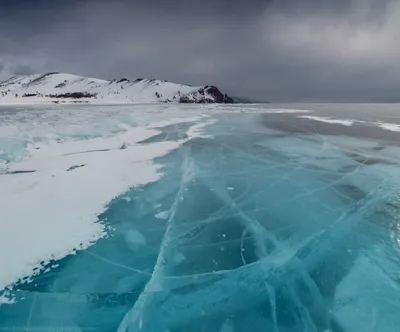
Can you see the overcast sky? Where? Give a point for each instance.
(277, 50)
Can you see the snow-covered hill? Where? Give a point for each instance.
(67, 88)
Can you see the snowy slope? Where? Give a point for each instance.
(67, 88)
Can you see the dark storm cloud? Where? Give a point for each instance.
(336, 50)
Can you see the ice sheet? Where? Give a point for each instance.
(237, 226)
(367, 299)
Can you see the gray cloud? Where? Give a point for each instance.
(308, 50)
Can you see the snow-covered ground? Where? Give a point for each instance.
(68, 88)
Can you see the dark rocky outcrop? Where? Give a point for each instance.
(206, 95)
(75, 167)
(217, 95)
(73, 95)
(61, 85)
(186, 100)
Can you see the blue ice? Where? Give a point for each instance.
(250, 229)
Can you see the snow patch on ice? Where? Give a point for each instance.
(389, 126)
(328, 120)
(198, 129)
(285, 111)
(7, 298)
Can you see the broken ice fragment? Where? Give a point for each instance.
(127, 199)
(134, 239)
(162, 215)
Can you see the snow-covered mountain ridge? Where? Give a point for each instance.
(68, 88)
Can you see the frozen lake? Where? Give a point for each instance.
(282, 218)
